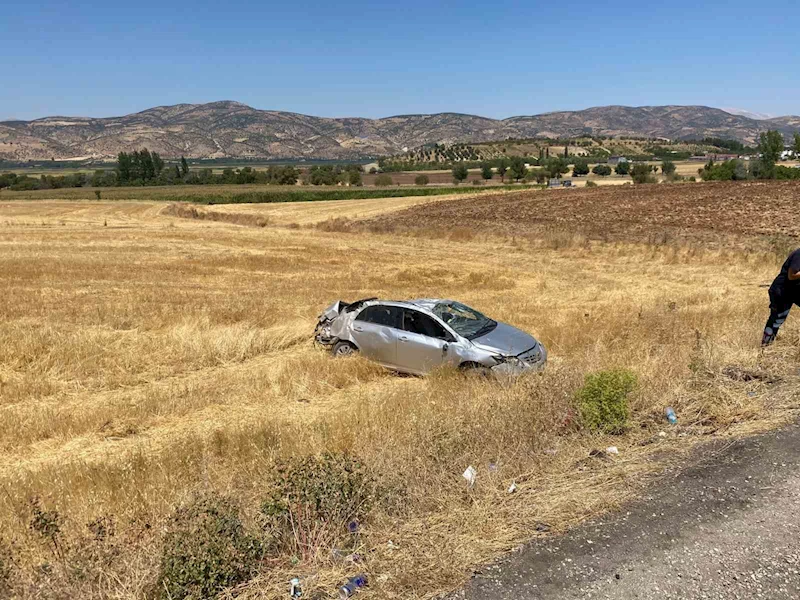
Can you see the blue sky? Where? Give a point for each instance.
(378, 59)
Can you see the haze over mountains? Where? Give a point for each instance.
(232, 130)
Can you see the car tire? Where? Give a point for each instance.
(477, 370)
(342, 349)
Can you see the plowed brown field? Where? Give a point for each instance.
(708, 211)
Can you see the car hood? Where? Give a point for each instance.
(507, 340)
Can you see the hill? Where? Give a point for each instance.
(233, 130)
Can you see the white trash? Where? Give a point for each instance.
(513, 488)
(470, 475)
(612, 450)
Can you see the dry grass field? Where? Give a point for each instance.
(147, 360)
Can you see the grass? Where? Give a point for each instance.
(148, 360)
(238, 194)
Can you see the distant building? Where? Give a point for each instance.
(615, 160)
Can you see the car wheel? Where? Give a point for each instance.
(344, 349)
(477, 370)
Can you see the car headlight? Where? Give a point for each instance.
(511, 360)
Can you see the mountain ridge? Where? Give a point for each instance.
(230, 129)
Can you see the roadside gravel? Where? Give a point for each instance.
(726, 528)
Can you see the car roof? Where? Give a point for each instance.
(423, 303)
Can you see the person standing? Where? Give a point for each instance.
(783, 292)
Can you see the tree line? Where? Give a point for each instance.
(145, 168)
(771, 146)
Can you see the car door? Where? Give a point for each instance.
(423, 344)
(375, 331)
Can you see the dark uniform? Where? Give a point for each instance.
(782, 294)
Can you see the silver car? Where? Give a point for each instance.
(417, 336)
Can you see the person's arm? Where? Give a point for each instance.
(794, 267)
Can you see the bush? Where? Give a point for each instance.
(581, 167)
(642, 173)
(591, 184)
(354, 178)
(383, 179)
(602, 170)
(603, 400)
(730, 170)
(316, 497)
(422, 180)
(206, 549)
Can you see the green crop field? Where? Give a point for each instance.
(234, 194)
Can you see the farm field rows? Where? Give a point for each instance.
(148, 359)
(727, 212)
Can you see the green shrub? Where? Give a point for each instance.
(316, 497)
(642, 173)
(422, 180)
(603, 399)
(206, 549)
(591, 184)
(384, 179)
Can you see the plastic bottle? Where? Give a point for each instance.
(295, 591)
(671, 416)
(352, 586)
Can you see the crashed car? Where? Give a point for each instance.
(417, 336)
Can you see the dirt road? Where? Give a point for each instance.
(727, 528)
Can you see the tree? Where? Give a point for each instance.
(124, 165)
(668, 168)
(184, 167)
(770, 146)
(502, 167)
(486, 171)
(602, 170)
(539, 175)
(556, 167)
(383, 179)
(422, 180)
(797, 145)
(642, 173)
(518, 168)
(460, 173)
(354, 177)
(622, 168)
(158, 163)
(581, 167)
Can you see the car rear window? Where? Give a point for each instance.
(388, 316)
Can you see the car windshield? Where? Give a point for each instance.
(465, 321)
